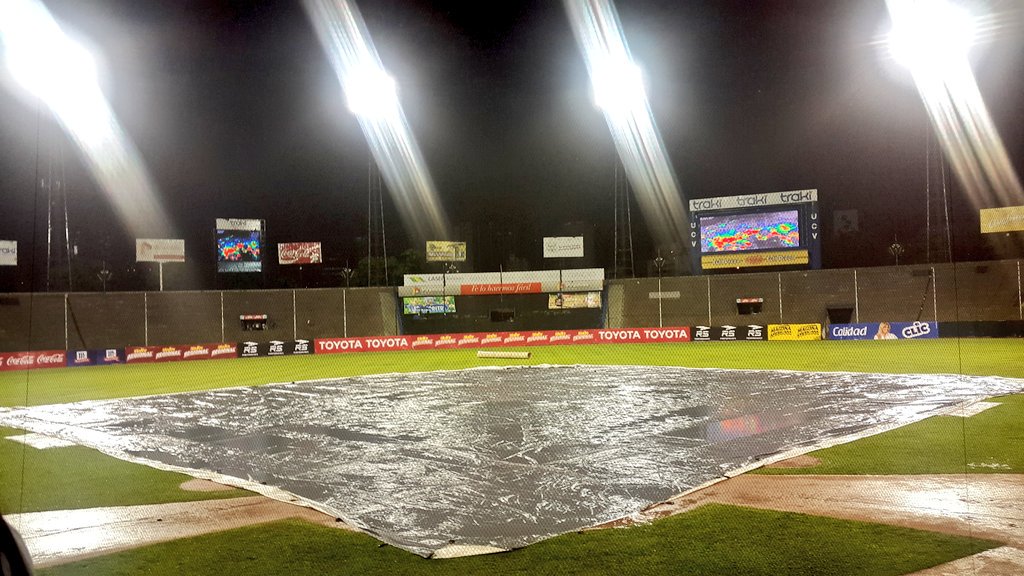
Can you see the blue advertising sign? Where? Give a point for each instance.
(883, 331)
(95, 357)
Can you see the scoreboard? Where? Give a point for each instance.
(771, 230)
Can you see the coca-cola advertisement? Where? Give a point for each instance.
(299, 253)
(32, 360)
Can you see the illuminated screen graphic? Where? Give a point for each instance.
(239, 251)
(758, 231)
(429, 305)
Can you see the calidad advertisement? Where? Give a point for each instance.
(290, 253)
(444, 251)
(159, 250)
(8, 253)
(239, 245)
(883, 331)
(794, 331)
(428, 305)
(562, 301)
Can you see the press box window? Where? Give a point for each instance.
(748, 306)
(253, 322)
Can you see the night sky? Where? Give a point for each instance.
(237, 113)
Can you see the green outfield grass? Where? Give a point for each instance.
(52, 386)
(34, 480)
(989, 442)
(713, 539)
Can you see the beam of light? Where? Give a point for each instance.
(372, 96)
(619, 92)
(62, 75)
(932, 38)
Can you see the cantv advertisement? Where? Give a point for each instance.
(883, 331)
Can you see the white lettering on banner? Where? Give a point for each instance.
(619, 334)
(849, 331)
(139, 355)
(728, 332)
(54, 359)
(767, 199)
(250, 348)
(702, 331)
(916, 329)
(21, 361)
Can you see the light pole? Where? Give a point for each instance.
(347, 273)
(659, 263)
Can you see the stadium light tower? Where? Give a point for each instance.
(933, 38)
(62, 75)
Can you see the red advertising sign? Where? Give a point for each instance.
(139, 354)
(224, 351)
(299, 253)
(32, 360)
(488, 289)
(494, 339)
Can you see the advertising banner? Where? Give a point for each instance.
(159, 250)
(794, 331)
(428, 305)
(574, 300)
(497, 339)
(8, 253)
(139, 354)
(290, 253)
(754, 200)
(1010, 219)
(491, 289)
(883, 331)
(571, 280)
(442, 251)
(32, 360)
(274, 348)
(749, 259)
(239, 245)
(750, 332)
(563, 246)
(95, 357)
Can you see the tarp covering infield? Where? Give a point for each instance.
(498, 457)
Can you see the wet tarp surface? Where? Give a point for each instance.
(500, 457)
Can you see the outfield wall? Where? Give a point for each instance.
(123, 319)
(964, 292)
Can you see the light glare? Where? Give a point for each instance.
(929, 34)
(618, 86)
(371, 92)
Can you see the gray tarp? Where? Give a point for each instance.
(500, 457)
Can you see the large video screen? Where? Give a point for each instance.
(751, 231)
(239, 251)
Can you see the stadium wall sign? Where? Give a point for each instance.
(95, 357)
(145, 354)
(873, 331)
(750, 332)
(32, 360)
(495, 339)
(794, 331)
(8, 253)
(274, 348)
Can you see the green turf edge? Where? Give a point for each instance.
(33, 480)
(987, 443)
(713, 539)
(59, 385)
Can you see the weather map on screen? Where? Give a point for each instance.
(239, 251)
(756, 231)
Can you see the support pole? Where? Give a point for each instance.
(145, 316)
(660, 298)
(161, 276)
(709, 300)
(66, 322)
(935, 296)
(780, 297)
(222, 317)
(295, 319)
(1020, 304)
(856, 299)
(344, 312)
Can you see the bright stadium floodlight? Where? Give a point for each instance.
(62, 75)
(618, 86)
(929, 34)
(370, 92)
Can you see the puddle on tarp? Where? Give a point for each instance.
(499, 457)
